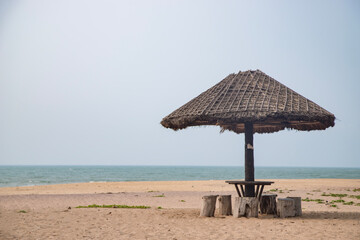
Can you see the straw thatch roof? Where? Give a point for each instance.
(251, 96)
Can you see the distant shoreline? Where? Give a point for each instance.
(140, 186)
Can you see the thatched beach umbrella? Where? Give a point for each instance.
(250, 102)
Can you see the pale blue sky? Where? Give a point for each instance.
(88, 82)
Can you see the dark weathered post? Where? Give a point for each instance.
(249, 159)
(268, 204)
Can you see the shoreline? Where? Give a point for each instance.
(203, 185)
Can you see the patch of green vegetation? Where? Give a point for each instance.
(356, 190)
(358, 204)
(348, 203)
(334, 195)
(112, 206)
(333, 205)
(22, 211)
(338, 195)
(355, 196)
(313, 200)
(182, 201)
(281, 191)
(273, 190)
(159, 207)
(161, 195)
(153, 191)
(337, 201)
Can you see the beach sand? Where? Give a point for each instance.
(49, 212)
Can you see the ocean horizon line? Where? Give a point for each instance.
(120, 165)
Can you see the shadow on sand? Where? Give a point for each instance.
(331, 215)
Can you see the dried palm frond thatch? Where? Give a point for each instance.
(251, 96)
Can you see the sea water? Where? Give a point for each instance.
(13, 176)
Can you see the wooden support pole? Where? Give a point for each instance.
(225, 205)
(237, 190)
(261, 191)
(242, 191)
(249, 159)
(257, 191)
(208, 206)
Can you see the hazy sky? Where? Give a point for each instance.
(88, 82)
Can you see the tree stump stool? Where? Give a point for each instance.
(286, 207)
(297, 205)
(208, 206)
(268, 204)
(225, 205)
(246, 206)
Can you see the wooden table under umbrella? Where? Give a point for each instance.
(250, 102)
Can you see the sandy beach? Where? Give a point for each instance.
(49, 212)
